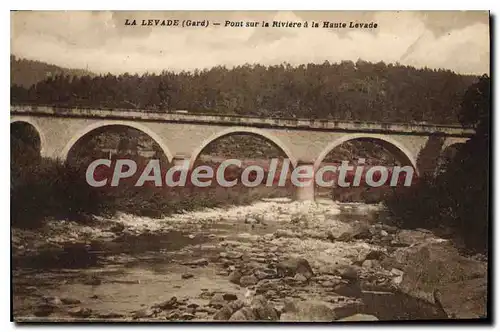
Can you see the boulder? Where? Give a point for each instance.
(217, 301)
(263, 310)
(264, 273)
(292, 266)
(227, 311)
(235, 277)
(348, 272)
(299, 277)
(438, 265)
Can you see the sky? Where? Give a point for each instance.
(101, 42)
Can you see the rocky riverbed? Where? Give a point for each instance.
(274, 260)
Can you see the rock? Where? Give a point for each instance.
(300, 278)
(246, 281)
(80, 312)
(244, 314)
(439, 265)
(358, 318)
(266, 285)
(231, 255)
(349, 273)
(370, 264)
(263, 310)
(293, 266)
(308, 311)
(68, 300)
(350, 289)
(173, 315)
(117, 228)
(359, 231)
(398, 276)
(143, 313)
(384, 233)
(187, 316)
(197, 262)
(235, 277)
(264, 274)
(205, 294)
(44, 310)
(167, 305)
(389, 229)
(109, 315)
(375, 255)
(230, 297)
(92, 281)
(208, 310)
(410, 236)
(284, 233)
(227, 311)
(289, 305)
(344, 237)
(387, 240)
(217, 301)
(330, 283)
(348, 307)
(187, 276)
(52, 300)
(224, 313)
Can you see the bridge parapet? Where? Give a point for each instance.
(247, 121)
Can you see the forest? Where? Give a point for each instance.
(357, 91)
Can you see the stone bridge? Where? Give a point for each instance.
(184, 135)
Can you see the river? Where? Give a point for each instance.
(118, 269)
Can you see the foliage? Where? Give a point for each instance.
(48, 188)
(360, 91)
(459, 197)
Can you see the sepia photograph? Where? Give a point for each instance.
(250, 166)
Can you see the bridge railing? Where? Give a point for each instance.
(62, 109)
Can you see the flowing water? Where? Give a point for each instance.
(134, 271)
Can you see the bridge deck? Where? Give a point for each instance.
(247, 121)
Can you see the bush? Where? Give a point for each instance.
(458, 198)
(48, 188)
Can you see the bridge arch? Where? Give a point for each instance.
(101, 124)
(36, 127)
(393, 145)
(247, 130)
